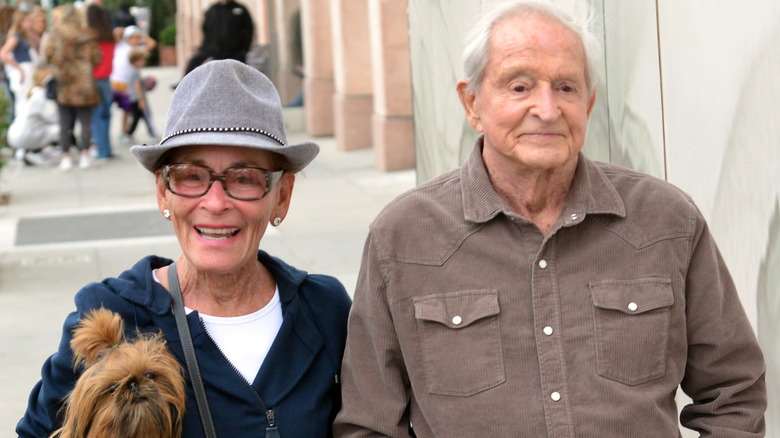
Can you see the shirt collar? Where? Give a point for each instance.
(591, 193)
(480, 200)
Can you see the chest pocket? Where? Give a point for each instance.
(460, 341)
(631, 319)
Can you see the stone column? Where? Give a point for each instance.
(353, 100)
(189, 33)
(393, 126)
(318, 67)
(259, 9)
(289, 47)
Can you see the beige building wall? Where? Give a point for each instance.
(286, 36)
(392, 122)
(318, 81)
(687, 93)
(353, 99)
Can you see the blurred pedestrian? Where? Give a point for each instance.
(36, 126)
(73, 53)
(123, 17)
(20, 52)
(99, 21)
(139, 104)
(133, 38)
(228, 31)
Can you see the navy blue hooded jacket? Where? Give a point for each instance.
(298, 379)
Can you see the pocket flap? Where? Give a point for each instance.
(632, 296)
(457, 309)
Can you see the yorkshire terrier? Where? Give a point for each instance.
(128, 389)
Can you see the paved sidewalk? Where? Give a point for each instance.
(63, 230)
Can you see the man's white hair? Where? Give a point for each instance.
(477, 48)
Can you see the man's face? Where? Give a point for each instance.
(534, 102)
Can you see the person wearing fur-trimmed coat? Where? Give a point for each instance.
(73, 52)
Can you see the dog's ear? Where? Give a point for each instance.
(99, 330)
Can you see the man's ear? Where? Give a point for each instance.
(468, 99)
(592, 102)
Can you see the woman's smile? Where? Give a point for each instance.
(212, 233)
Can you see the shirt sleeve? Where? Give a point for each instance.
(725, 371)
(374, 377)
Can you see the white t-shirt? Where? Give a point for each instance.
(244, 340)
(121, 68)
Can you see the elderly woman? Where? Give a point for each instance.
(268, 338)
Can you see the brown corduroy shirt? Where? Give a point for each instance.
(468, 322)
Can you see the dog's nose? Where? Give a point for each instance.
(134, 386)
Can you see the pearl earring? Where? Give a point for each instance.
(277, 221)
(166, 213)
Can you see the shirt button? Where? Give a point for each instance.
(457, 320)
(548, 330)
(632, 306)
(543, 264)
(555, 396)
(573, 216)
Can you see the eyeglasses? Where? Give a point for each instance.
(242, 183)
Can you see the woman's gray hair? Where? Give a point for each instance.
(477, 44)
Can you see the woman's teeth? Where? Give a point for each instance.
(217, 233)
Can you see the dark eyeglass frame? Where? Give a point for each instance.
(271, 177)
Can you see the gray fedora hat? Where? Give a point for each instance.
(226, 103)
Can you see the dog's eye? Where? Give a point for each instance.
(150, 375)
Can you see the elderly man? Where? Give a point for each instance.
(536, 293)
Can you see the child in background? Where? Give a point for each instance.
(133, 38)
(139, 105)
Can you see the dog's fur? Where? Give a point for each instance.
(127, 389)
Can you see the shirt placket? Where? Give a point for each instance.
(549, 344)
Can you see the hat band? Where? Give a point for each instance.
(230, 129)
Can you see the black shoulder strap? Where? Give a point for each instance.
(189, 352)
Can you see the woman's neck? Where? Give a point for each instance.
(234, 294)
